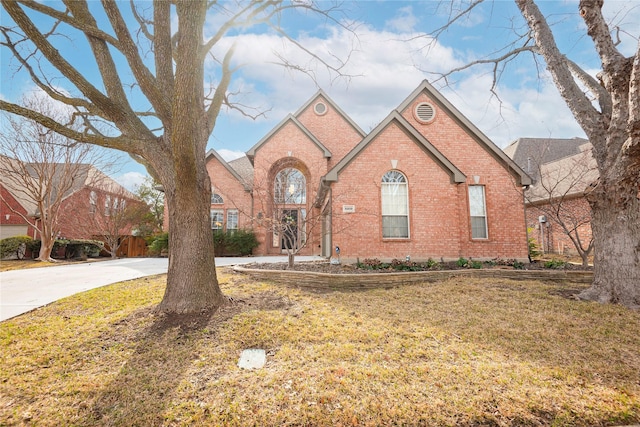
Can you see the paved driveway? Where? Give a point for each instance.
(23, 290)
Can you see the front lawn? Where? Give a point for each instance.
(472, 352)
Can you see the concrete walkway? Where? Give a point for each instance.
(24, 290)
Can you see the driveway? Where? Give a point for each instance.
(24, 290)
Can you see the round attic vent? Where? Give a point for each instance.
(320, 108)
(425, 112)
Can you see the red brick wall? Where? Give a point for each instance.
(439, 210)
(8, 205)
(287, 147)
(331, 129)
(232, 191)
(555, 240)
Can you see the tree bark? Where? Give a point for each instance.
(616, 229)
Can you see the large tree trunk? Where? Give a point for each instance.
(616, 228)
(192, 285)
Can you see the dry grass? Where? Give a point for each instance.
(21, 264)
(470, 353)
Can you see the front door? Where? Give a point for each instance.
(289, 233)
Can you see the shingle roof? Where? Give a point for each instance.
(244, 168)
(530, 153)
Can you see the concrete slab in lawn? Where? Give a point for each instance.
(252, 358)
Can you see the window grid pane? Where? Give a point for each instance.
(232, 220)
(217, 218)
(395, 205)
(478, 212)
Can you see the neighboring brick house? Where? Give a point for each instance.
(85, 210)
(425, 183)
(562, 170)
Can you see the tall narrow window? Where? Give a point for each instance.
(395, 205)
(232, 220)
(107, 205)
(93, 202)
(217, 218)
(290, 187)
(478, 212)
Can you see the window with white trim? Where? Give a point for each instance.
(216, 199)
(395, 206)
(217, 219)
(107, 205)
(478, 212)
(232, 220)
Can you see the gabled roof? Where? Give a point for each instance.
(531, 153)
(246, 184)
(289, 119)
(395, 117)
(470, 128)
(333, 105)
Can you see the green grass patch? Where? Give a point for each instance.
(460, 352)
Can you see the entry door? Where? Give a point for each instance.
(289, 229)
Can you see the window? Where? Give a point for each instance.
(478, 212)
(216, 199)
(217, 218)
(232, 220)
(123, 204)
(93, 202)
(290, 187)
(107, 205)
(395, 206)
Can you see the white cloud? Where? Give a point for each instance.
(229, 155)
(404, 21)
(130, 180)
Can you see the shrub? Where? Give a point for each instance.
(554, 263)
(476, 264)
(518, 265)
(432, 264)
(534, 249)
(159, 243)
(242, 241)
(372, 264)
(16, 245)
(462, 262)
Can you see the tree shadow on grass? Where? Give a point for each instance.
(156, 359)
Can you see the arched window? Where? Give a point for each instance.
(395, 205)
(216, 199)
(290, 187)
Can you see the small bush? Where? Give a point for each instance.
(462, 262)
(432, 264)
(476, 264)
(16, 245)
(372, 264)
(242, 241)
(518, 265)
(159, 243)
(555, 264)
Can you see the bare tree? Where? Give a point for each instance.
(114, 215)
(165, 118)
(608, 110)
(43, 168)
(558, 195)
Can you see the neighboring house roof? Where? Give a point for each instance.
(15, 189)
(530, 153)
(85, 175)
(566, 177)
(245, 178)
(289, 119)
(395, 117)
(470, 128)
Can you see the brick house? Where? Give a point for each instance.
(425, 183)
(562, 170)
(84, 213)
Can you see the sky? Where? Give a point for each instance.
(383, 56)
